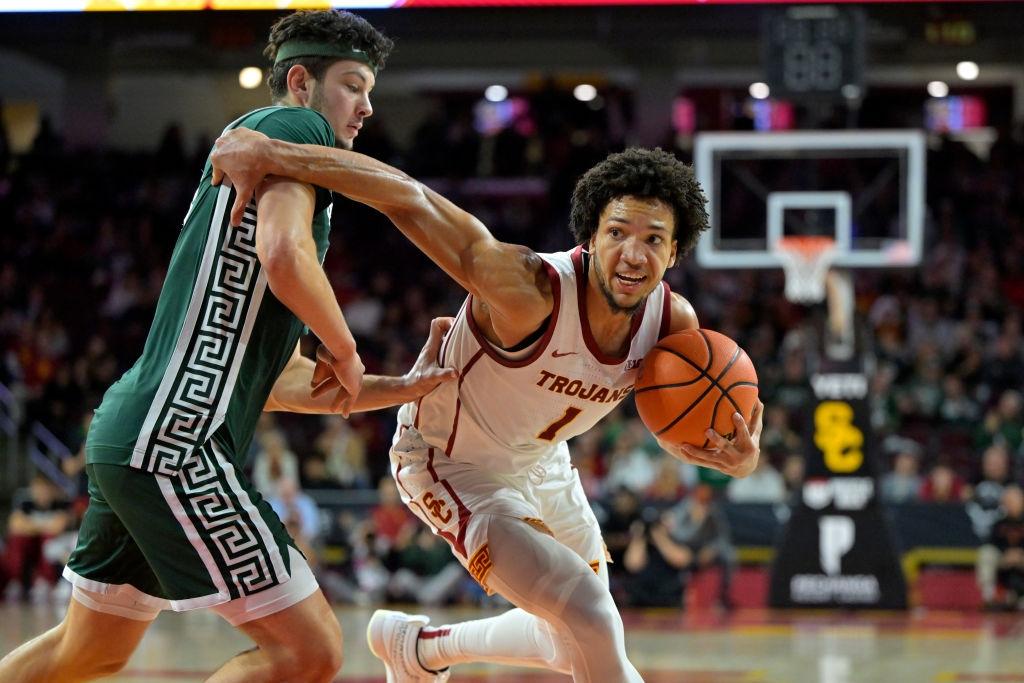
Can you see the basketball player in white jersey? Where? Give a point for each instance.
(545, 345)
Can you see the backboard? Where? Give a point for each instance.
(865, 189)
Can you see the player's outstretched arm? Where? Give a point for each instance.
(287, 253)
(508, 278)
(306, 386)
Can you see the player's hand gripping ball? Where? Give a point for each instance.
(692, 381)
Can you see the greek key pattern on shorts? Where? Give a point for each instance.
(205, 375)
(229, 532)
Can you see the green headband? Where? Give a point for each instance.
(301, 48)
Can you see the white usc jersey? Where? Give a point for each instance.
(508, 411)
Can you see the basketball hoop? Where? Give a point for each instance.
(806, 260)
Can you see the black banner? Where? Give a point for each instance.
(837, 550)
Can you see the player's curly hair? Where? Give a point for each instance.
(327, 26)
(638, 172)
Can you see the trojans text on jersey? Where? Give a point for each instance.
(574, 387)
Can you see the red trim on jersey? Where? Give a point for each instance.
(458, 542)
(458, 402)
(542, 344)
(666, 312)
(581, 301)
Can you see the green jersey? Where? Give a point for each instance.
(219, 338)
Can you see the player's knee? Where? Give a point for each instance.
(592, 617)
(81, 660)
(315, 658)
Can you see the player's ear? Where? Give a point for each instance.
(300, 84)
(675, 248)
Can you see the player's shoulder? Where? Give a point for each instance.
(683, 315)
(292, 124)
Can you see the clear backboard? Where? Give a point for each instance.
(864, 189)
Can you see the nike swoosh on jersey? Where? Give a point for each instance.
(556, 354)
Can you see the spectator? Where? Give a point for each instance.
(38, 517)
(943, 485)
(315, 475)
(300, 516)
(390, 518)
(957, 407)
(631, 463)
(653, 562)
(344, 452)
(763, 485)
(698, 525)
(903, 483)
(987, 493)
(1001, 561)
(668, 487)
(617, 516)
(1004, 422)
(427, 573)
(274, 462)
(793, 475)
(777, 434)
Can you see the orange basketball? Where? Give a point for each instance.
(693, 380)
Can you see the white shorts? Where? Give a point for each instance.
(124, 600)
(453, 498)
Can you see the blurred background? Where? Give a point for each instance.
(107, 120)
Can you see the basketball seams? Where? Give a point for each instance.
(724, 394)
(714, 384)
(703, 371)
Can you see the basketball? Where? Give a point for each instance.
(693, 380)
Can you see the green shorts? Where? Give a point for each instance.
(198, 539)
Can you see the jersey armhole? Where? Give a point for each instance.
(545, 338)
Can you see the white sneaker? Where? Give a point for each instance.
(392, 639)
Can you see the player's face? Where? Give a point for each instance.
(343, 97)
(631, 249)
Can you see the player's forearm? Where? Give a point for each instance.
(384, 391)
(291, 392)
(443, 231)
(297, 280)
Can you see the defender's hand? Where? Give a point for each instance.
(343, 375)
(241, 154)
(426, 373)
(737, 457)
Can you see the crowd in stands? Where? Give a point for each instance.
(85, 237)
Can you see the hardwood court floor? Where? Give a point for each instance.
(748, 646)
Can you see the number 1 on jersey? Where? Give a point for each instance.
(552, 429)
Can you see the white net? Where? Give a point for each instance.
(806, 261)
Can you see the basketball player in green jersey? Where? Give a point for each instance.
(172, 521)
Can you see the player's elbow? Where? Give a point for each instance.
(280, 260)
(411, 203)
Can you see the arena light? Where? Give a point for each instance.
(496, 93)
(250, 77)
(967, 70)
(584, 92)
(759, 91)
(938, 89)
